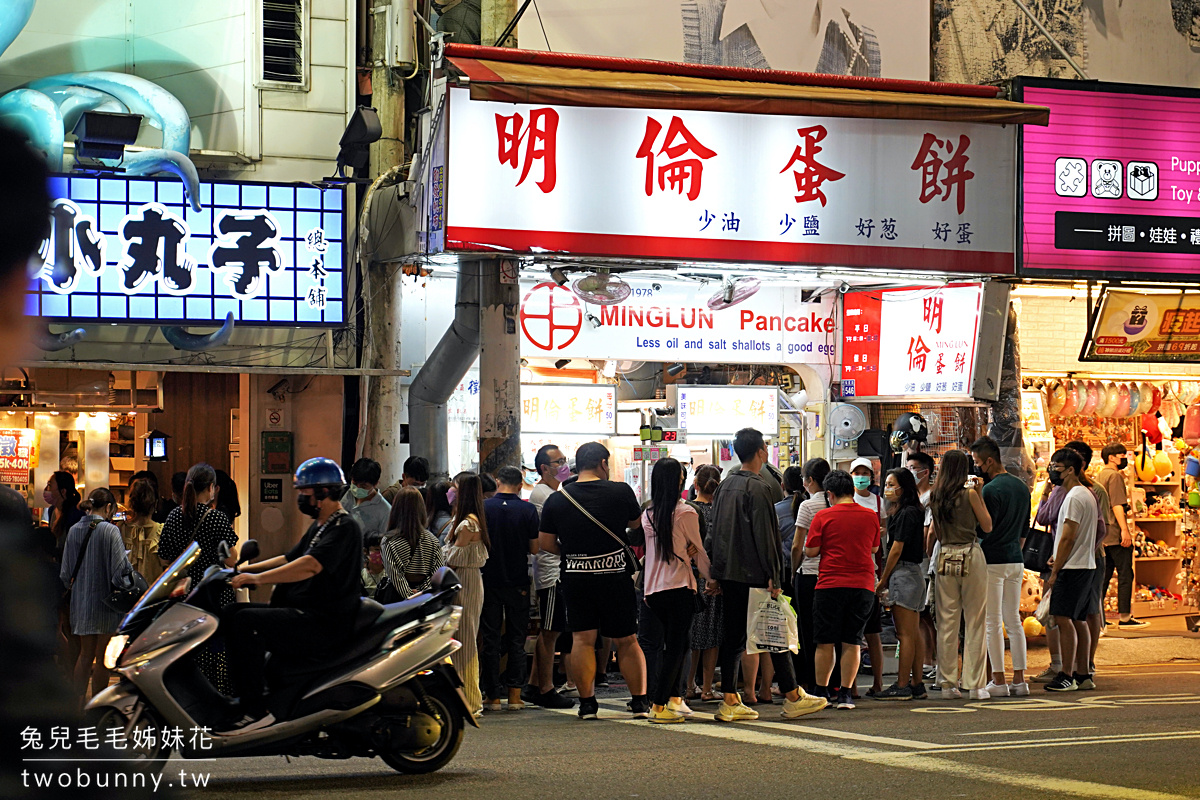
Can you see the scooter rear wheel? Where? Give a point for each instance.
(441, 752)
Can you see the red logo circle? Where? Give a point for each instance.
(549, 309)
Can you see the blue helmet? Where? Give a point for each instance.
(319, 472)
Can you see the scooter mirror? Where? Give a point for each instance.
(249, 551)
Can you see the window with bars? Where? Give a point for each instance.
(283, 41)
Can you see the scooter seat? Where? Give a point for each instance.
(368, 612)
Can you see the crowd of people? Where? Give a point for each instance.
(589, 571)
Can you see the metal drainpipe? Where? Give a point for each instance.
(443, 370)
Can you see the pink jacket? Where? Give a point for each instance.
(661, 576)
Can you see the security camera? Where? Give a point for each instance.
(279, 388)
(656, 286)
(843, 287)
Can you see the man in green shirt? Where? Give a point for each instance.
(1007, 500)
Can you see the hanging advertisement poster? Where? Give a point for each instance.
(1142, 328)
(18, 454)
(930, 343)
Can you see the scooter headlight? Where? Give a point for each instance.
(112, 654)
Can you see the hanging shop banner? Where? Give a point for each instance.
(569, 408)
(1108, 188)
(672, 320)
(725, 410)
(18, 454)
(731, 187)
(1142, 328)
(923, 343)
(133, 250)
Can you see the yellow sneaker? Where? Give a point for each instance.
(666, 716)
(805, 704)
(735, 713)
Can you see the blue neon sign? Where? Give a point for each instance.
(132, 250)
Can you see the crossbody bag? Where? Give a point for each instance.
(632, 564)
(79, 561)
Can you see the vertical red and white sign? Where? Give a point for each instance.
(910, 343)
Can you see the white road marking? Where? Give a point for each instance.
(1043, 785)
(1040, 743)
(1026, 730)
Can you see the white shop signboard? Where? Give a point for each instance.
(670, 320)
(703, 185)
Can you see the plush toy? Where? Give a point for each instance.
(1032, 627)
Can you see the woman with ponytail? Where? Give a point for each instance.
(196, 521)
(93, 561)
(672, 545)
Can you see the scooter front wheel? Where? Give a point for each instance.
(144, 751)
(442, 752)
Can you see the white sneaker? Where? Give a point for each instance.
(951, 693)
(997, 689)
(1020, 690)
(980, 694)
(804, 704)
(681, 708)
(728, 713)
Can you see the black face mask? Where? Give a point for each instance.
(1123, 463)
(979, 472)
(306, 505)
(1056, 477)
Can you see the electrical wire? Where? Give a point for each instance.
(538, 11)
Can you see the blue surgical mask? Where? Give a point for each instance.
(359, 493)
(862, 482)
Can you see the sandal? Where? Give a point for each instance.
(709, 697)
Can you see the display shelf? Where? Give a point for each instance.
(1157, 483)
(1172, 520)
(1144, 608)
(1157, 558)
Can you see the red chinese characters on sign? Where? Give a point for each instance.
(678, 172)
(954, 168)
(933, 313)
(540, 140)
(918, 351)
(1181, 321)
(812, 174)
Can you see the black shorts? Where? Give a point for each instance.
(1072, 594)
(604, 603)
(875, 618)
(840, 614)
(551, 609)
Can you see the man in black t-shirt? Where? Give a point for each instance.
(512, 525)
(316, 597)
(585, 522)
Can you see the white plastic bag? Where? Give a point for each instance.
(1043, 610)
(771, 624)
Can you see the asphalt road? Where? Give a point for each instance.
(1135, 738)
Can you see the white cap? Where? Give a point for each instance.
(862, 462)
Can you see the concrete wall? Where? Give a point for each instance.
(207, 54)
(1052, 333)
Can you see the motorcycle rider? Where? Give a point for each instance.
(317, 592)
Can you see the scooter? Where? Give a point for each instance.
(391, 691)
